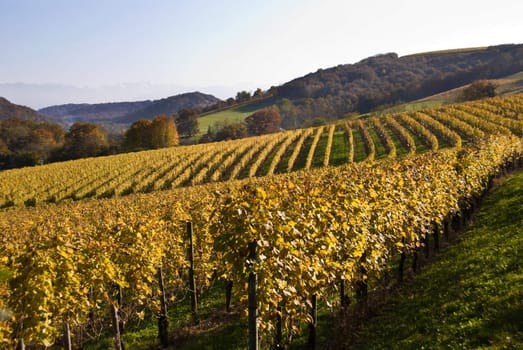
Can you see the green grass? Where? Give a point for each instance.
(470, 297)
(359, 146)
(340, 149)
(413, 106)
(378, 144)
(214, 322)
(319, 152)
(234, 114)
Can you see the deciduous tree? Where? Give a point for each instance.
(264, 121)
(84, 140)
(146, 134)
(187, 122)
(479, 89)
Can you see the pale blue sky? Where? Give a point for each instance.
(223, 46)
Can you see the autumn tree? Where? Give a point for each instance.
(479, 89)
(231, 131)
(289, 113)
(147, 134)
(258, 93)
(243, 96)
(264, 121)
(137, 136)
(186, 122)
(163, 132)
(26, 142)
(84, 140)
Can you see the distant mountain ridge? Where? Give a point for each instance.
(170, 105)
(9, 110)
(93, 113)
(125, 113)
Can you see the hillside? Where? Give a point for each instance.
(349, 141)
(322, 234)
(119, 115)
(388, 79)
(10, 110)
(170, 105)
(470, 297)
(511, 84)
(92, 113)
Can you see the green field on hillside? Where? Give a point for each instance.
(511, 84)
(234, 114)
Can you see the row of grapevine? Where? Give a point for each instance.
(367, 140)
(312, 149)
(297, 149)
(350, 138)
(418, 129)
(515, 126)
(69, 264)
(328, 149)
(447, 135)
(465, 130)
(386, 139)
(282, 149)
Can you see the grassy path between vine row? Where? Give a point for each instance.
(469, 297)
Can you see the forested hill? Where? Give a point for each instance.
(171, 105)
(389, 79)
(92, 113)
(125, 113)
(10, 110)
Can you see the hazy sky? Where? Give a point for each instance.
(223, 46)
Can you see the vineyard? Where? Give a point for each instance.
(270, 217)
(366, 139)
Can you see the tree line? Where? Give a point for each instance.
(28, 143)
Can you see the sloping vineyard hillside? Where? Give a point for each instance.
(85, 268)
(368, 139)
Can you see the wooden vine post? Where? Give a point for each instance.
(20, 344)
(436, 238)
(253, 304)
(311, 343)
(401, 265)
(192, 281)
(163, 323)
(67, 337)
(117, 322)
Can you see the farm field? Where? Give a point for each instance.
(233, 115)
(310, 215)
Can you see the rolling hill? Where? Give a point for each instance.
(170, 105)
(10, 110)
(119, 115)
(388, 79)
(93, 113)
